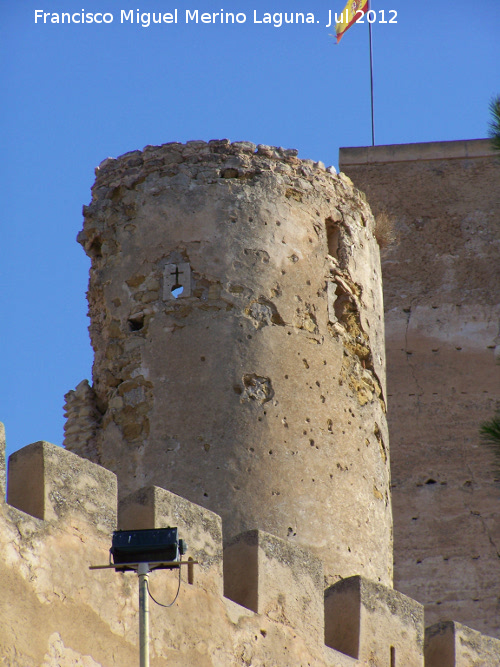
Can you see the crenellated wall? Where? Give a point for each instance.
(260, 602)
(236, 316)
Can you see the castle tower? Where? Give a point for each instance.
(236, 317)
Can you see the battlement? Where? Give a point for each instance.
(231, 158)
(421, 152)
(61, 484)
(262, 597)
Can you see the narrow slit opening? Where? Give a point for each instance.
(332, 238)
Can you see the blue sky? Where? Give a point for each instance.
(75, 94)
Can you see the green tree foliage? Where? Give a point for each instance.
(494, 126)
(490, 437)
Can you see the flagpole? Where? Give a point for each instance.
(371, 81)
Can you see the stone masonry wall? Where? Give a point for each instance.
(264, 600)
(261, 602)
(236, 317)
(442, 303)
(56, 612)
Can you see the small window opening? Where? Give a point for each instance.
(393, 656)
(333, 238)
(177, 288)
(176, 281)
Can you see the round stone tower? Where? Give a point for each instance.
(236, 317)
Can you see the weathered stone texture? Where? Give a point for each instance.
(60, 482)
(450, 644)
(442, 302)
(153, 507)
(82, 420)
(258, 392)
(374, 624)
(273, 577)
(55, 612)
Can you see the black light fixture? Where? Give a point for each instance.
(160, 547)
(142, 551)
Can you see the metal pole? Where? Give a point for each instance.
(371, 81)
(143, 572)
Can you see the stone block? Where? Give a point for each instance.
(450, 644)
(273, 577)
(154, 507)
(49, 483)
(374, 623)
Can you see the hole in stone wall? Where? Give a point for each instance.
(95, 249)
(431, 481)
(136, 323)
(393, 656)
(177, 290)
(332, 237)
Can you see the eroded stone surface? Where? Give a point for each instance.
(56, 612)
(83, 420)
(374, 623)
(450, 644)
(273, 577)
(236, 318)
(49, 483)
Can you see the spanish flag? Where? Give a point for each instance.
(353, 11)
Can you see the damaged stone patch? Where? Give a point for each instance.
(380, 440)
(305, 318)
(129, 407)
(83, 419)
(238, 166)
(257, 388)
(345, 319)
(291, 193)
(263, 312)
(364, 384)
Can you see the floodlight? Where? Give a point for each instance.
(160, 547)
(142, 551)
